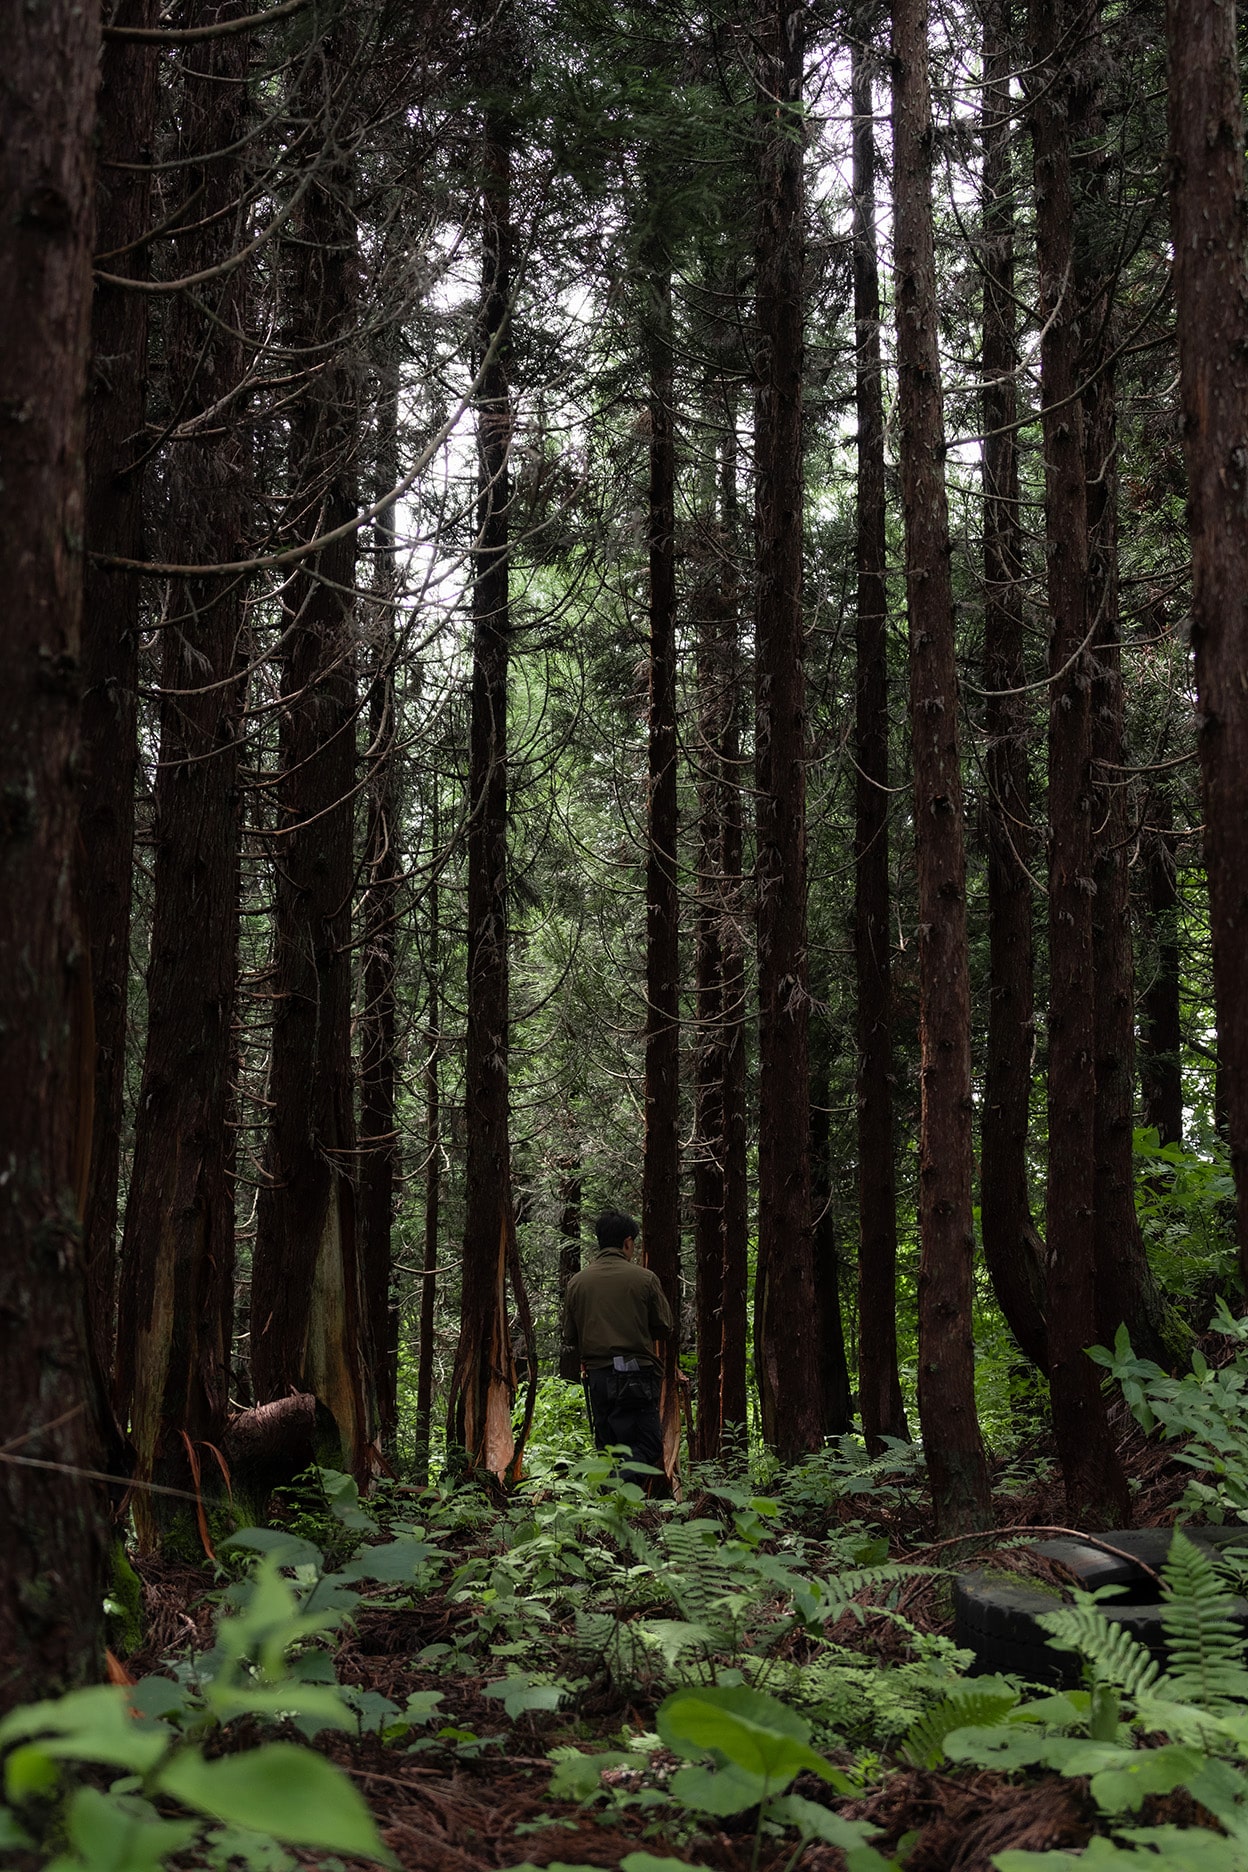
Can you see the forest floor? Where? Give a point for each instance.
(475, 1795)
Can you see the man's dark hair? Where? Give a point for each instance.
(614, 1228)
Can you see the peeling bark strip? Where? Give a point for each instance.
(951, 1438)
(1095, 1485)
(483, 1384)
(307, 1325)
(879, 1387)
(110, 626)
(660, 1202)
(785, 1330)
(1013, 1251)
(1209, 218)
(177, 1289)
(52, 1526)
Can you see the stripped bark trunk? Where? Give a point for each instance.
(951, 1440)
(308, 1329)
(483, 1385)
(660, 1199)
(177, 1285)
(785, 1326)
(52, 1522)
(1161, 1063)
(879, 1387)
(379, 1155)
(110, 634)
(1209, 219)
(1095, 1485)
(1013, 1251)
(433, 1159)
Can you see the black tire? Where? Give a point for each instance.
(996, 1616)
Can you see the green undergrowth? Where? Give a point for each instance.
(755, 1675)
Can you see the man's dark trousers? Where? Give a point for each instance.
(625, 1409)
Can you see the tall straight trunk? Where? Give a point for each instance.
(1209, 219)
(1161, 1065)
(733, 1377)
(786, 1348)
(660, 1197)
(308, 1327)
(710, 1055)
(110, 626)
(1095, 1485)
(879, 1387)
(177, 1283)
(379, 1156)
(569, 1254)
(835, 1400)
(433, 1161)
(52, 1521)
(951, 1440)
(1013, 1251)
(483, 1385)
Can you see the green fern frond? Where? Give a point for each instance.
(977, 1703)
(1203, 1636)
(1115, 1655)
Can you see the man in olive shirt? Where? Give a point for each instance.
(613, 1314)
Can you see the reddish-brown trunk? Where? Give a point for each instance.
(308, 1331)
(1095, 1486)
(433, 1161)
(177, 1283)
(1209, 219)
(1161, 1064)
(52, 1523)
(660, 1199)
(483, 1385)
(835, 1399)
(1013, 1251)
(951, 1440)
(879, 1387)
(786, 1349)
(110, 625)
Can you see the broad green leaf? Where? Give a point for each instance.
(748, 1728)
(1146, 1771)
(288, 1792)
(422, 1705)
(89, 1725)
(720, 1791)
(11, 1832)
(29, 1769)
(286, 1549)
(646, 1862)
(392, 1560)
(120, 1834)
(815, 1822)
(578, 1777)
(315, 1701)
(159, 1696)
(518, 1695)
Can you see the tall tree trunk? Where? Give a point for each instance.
(177, 1285)
(110, 629)
(483, 1385)
(52, 1521)
(1209, 218)
(951, 1440)
(836, 1402)
(786, 1347)
(433, 1158)
(308, 1329)
(710, 1055)
(1095, 1486)
(879, 1387)
(1013, 1251)
(379, 1155)
(1161, 1066)
(569, 1254)
(660, 1199)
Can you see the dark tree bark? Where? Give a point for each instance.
(660, 1197)
(879, 1388)
(1013, 1251)
(1095, 1485)
(433, 1159)
(1209, 219)
(308, 1330)
(379, 1154)
(951, 1438)
(483, 1385)
(836, 1401)
(1161, 1064)
(786, 1348)
(177, 1285)
(569, 1255)
(110, 629)
(52, 1522)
